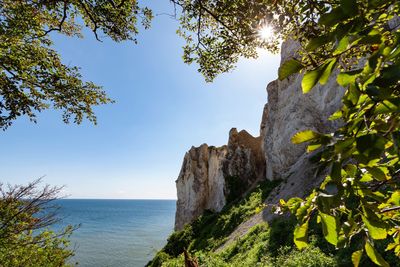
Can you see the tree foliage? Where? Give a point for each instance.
(218, 33)
(26, 213)
(32, 75)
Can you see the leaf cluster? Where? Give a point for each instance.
(359, 199)
(32, 75)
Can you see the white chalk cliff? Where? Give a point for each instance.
(202, 185)
(202, 182)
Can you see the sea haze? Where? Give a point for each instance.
(117, 232)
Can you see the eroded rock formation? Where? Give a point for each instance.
(207, 171)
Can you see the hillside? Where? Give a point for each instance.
(225, 194)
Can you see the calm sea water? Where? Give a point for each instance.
(118, 232)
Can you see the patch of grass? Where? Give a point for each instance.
(309, 257)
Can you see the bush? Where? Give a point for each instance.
(26, 213)
(309, 257)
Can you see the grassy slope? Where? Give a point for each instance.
(263, 245)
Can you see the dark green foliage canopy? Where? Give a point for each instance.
(32, 75)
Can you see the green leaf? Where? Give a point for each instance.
(288, 68)
(313, 147)
(353, 94)
(388, 106)
(371, 145)
(374, 229)
(374, 255)
(304, 136)
(335, 116)
(356, 257)
(395, 198)
(293, 204)
(327, 72)
(366, 177)
(300, 235)
(342, 45)
(317, 42)
(370, 39)
(311, 78)
(332, 18)
(345, 78)
(336, 171)
(329, 228)
(379, 173)
(351, 170)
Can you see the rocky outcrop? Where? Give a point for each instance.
(289, 111)
(207, 172)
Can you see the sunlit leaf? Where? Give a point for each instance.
(288, 68)
(327, 72)
(345, 78)
(304, 136)
(329, 228)
(374, 255)
(300, 235)
(356, 257)
(374, 230)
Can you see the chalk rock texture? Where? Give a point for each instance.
(201, 184)
(289, 111)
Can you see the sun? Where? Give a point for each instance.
(266, 32)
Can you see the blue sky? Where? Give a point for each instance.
(162, 108)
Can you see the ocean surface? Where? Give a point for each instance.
(117, 232)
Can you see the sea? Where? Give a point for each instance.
(118, 233)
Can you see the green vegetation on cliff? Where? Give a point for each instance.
(256, 249)
(265, 244)
(210, 230)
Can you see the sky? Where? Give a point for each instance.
(163, 107)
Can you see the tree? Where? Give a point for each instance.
(32, 75)
(359, 201)
(26, 213)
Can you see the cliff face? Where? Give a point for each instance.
(203, 182)
(289, 111)
(206, 174)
